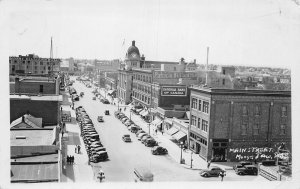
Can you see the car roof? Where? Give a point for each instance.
(250, 166)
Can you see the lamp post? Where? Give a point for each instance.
(130, 114)
(181, 146)
(191, 159)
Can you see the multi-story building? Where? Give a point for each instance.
(234, 125)
(32, 64)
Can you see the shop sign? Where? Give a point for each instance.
(173, 91)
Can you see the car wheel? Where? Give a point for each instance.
(240, 173)
(205, 175)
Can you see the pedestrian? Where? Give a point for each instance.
(208, 164)
(162, 132)
(72, 159)
(222, 174)
(120, 109)
(78, 149)
(156, 131)
(62, 134)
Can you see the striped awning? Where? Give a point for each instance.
(179, 135)
(172, 131)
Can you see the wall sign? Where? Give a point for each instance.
(173, 91)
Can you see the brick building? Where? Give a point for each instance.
(32, 64)
(235, 125)
(46, 107)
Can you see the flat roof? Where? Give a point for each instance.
(34, 172)
(37, 81)
(33, 137)
(215, 91)
(39, 158)
(38, 98)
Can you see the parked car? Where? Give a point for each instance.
(158, 150)
(75, 97)
(247, 170)
(106, 112)
(150, 142)
(134, 129)
(100, 119)
(124, 119)
(141, 135)
(128, 123)
(145, 137)
(126, 138)
(241, 164)
(94, 98)
(105, 101)
(99, 156)
(81, 94)
(213, 171)
(139, 132)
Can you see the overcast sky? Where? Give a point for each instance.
(238, 32)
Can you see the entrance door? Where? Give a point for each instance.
(219, 154)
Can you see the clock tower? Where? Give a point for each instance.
(132, 59)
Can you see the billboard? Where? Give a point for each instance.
(173, 91)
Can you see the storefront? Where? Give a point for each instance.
(198, 144)
(219, 150)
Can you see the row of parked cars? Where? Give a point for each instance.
(145, 138)
(93, 145)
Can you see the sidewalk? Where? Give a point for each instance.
(80, 171)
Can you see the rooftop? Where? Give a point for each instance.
(32, 137)
(38, 98)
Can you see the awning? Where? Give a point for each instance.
(179, 135)
(110, 92)
(138, 110)
(155, 122)
(172, 131)
(145, 113)
(169, 121)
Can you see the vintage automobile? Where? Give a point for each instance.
(158, 150)
(126, 138)
(241, 164)
(247, 170)
(100, 119)
(106, 112)
(213, 171)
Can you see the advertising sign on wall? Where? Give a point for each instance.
(173, 91)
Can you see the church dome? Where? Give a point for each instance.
(133, 52)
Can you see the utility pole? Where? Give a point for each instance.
(206, 66)
(51, 57)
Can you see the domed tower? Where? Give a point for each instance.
(132, 59)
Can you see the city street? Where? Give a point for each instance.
(123, 157)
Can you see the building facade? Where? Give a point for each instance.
(236, 125)
(32, 64)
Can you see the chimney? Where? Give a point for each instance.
(133, 43)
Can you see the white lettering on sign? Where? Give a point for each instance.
(252, 153)
(173, 91)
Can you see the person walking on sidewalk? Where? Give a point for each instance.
(222, 174)
(208, 164)
(78, 150)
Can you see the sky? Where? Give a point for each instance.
(237, 32)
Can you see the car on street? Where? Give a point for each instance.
(87, 120)
(97, 149)
(213, 171)
(145, 137)
(99, 156)
(105, 101)
(81, 94)
(158, 150)
(128, 123)
(139, 132)
(106, 112)
(126, 138)
(75, 97)
(100, 119)
(124, 119)
(150, 142)
(94, 98)
(241, 164)
(141, 135)
(247, 170)
(134, 129)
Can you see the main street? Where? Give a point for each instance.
(123, 157)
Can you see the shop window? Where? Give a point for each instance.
(282, 129)
(41, 88)
(205, 107)
(256, 129)
(215, 144)
(41, 63)
(283, 111)
(193, 120)
(223, 81)
(223, 144)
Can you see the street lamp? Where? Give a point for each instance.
(130, 113)
(181, 147)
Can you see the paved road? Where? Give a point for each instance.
(123, 157)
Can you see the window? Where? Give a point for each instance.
(256, 129)
(28, 62)
(245, 111)
(205, 107)
(194, 103)
(23, 61)
(283, 111)
(199, 105)
(41, 88)
(41, 63)
(174, 68)
(243, 129)
(282, 129)
(193, 121)
(204, 125)
(223, 72)
(27, 67)
(257, 111)
(199, 123)
(223, 81)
